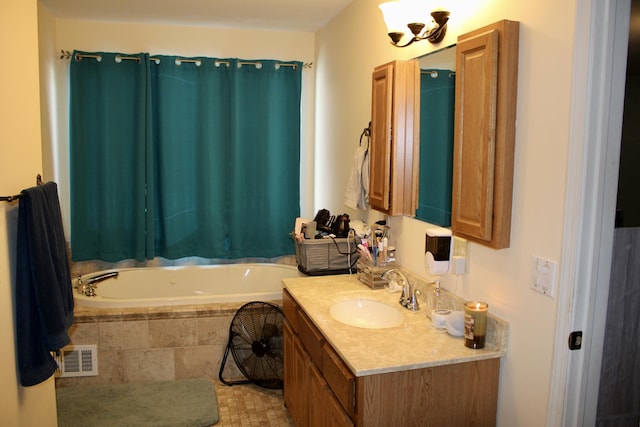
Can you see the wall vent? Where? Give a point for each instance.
(77, 361)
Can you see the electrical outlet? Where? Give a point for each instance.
(459, 247)
(543, 276)
(459, 255)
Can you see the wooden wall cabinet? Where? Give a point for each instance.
(394, 149)
(484, 134)
(320, 390)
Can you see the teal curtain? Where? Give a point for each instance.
(178, 157)
(264, 180)
(109, 146)
(191, 147)
(437, 98)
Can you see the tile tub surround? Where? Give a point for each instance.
(155, 343)
(414, 344)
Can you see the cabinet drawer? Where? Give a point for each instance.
(311, 338)
(340, 379)
(335, 415)
(290, 309)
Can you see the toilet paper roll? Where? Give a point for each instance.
(439, 318)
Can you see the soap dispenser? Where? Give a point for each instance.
(437, 250)
(439, 308)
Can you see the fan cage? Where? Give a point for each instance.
(255, 342)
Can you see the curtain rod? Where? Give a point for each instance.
(65, 54)
(18, 196)
(434, 73)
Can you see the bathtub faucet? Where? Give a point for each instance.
(88, 288)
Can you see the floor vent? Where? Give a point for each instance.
(77, 361)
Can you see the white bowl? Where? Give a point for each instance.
(455, 323)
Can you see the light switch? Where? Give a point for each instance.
(543, 276)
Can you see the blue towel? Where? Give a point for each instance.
(44, 296)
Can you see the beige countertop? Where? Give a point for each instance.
(411, 345)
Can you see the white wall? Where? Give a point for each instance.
(67, 34)
(347, 50)
(21, 161)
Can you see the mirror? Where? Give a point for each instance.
(437, 97)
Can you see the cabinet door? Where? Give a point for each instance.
(474, 154)
(288, 371)
(380, 148)
(296, 378)
(484, 134)
(317, 398)
(324, 408)
(335, 415)
(394, 145)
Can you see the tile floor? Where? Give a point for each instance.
(247, 405)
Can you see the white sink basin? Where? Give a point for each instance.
(365, 313)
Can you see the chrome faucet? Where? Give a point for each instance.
(408, 298)
(88, 288)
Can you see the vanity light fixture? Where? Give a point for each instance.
(402, 14)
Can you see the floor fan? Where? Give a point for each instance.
(255, 341)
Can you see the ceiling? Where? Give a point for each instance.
(283, 15)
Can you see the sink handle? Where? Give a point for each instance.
(412, 302)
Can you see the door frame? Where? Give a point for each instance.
(598, 84)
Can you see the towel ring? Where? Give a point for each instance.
(366, 132)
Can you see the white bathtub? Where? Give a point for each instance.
(165, 286)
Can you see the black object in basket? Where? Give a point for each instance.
(317, 257)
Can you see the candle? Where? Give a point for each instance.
(475, 324)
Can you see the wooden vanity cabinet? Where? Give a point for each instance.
(323, 392)
(484, 133)
(296, 377)
(318, 388)
(394, 144)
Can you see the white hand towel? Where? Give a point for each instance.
(357, 191)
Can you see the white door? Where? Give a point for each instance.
(601, 38)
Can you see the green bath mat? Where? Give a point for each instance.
(188, 403)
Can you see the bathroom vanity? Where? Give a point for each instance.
(409, 374)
